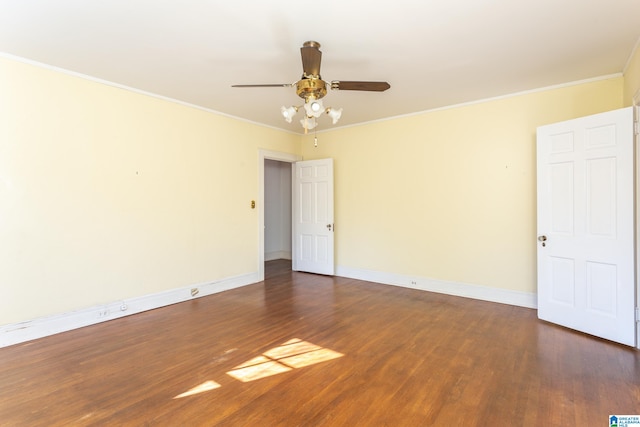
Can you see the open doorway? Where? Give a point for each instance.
(277, 210)
(278, 164)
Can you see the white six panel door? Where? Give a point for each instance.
(313, 216)
(586, 277)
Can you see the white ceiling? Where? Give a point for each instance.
(434, 53)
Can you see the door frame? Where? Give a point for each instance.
(262, 156)
(636, 141)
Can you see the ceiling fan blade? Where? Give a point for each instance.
(269, 85)
(368, 86)
(311, 58)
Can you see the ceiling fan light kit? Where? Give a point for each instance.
(308, 123)
(288, 113)
(312, 89)
(313, 107)
(334, 114)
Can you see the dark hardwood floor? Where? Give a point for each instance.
(307, 350)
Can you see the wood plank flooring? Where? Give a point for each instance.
(352, 353)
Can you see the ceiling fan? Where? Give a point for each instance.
(312, 88)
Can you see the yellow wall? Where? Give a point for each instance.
(450, 194)
(107, 194)
(632, 77)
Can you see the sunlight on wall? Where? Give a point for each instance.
(632, 77)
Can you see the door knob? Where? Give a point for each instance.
(542, 238)
(329, 226)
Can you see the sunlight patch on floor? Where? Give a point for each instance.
(261, 370)
(292, 354)
(205, 386)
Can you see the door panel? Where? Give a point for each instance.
(586, 277)
(562, 198)
(313, 216)
(601, 197)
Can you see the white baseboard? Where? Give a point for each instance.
(41, 327)
(270, 256)
(485, 293)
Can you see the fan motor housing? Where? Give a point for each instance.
(311, 87)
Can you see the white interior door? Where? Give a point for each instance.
(313, 216)
(586, 275)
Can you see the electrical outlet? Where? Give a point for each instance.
(413, 282)
(103, 312)
(123, 306)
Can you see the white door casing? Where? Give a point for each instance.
(586, 270)
(636, 133)
(313, 235)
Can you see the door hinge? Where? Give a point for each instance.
(638, 314)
